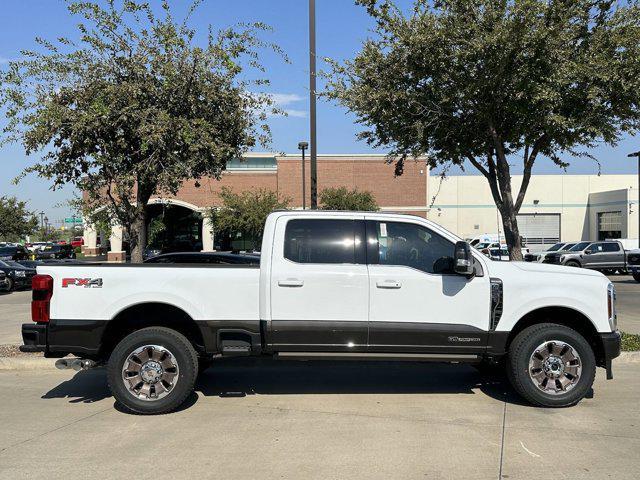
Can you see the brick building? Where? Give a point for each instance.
(283, 174)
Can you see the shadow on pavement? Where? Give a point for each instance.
(243, 377)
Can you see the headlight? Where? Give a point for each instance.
(611, 307)
(20, 273)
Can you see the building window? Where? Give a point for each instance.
(253, 163)
(609, 225)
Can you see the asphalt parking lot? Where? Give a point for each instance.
(324, 420)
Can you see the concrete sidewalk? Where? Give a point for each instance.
(324, 420)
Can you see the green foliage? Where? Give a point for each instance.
(343, 199)
(630, 342)
(156, 230)
(246, 212)
(16, 221)
(481, 81)
(135, 107)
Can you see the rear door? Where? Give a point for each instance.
(417, 304)
(319, 284)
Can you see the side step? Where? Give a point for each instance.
(371, 356)
(235, 348)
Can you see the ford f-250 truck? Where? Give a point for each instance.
(329, 285)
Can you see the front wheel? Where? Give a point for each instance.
(572, 264)
(152, 370)
(551, 365)
(636, 276)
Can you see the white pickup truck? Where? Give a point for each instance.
(329, 285)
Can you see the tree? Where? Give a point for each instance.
(483, 82)
(134, 107)
(246, 212)
(343, 199)
(16, 222)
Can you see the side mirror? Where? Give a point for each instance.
(588, 252)
(462, 259)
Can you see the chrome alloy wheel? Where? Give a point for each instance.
(150, 372)
(555, 367)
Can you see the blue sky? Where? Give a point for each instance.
(341, 27)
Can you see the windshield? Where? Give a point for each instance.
(11, 263)
(7, 250)
(579, 246)
(556, 247)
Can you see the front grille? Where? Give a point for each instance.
(633, 259)
(551, 259)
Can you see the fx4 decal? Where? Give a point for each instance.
(82, 282)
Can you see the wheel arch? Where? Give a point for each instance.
(561, 315)
(152, 314)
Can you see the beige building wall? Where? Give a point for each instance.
(464, 205)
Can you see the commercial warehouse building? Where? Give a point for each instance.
(557, 207)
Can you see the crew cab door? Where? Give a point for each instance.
(416, 305)
(319, 284)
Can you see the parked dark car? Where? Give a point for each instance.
(18, 276)
(56, 251)
(4, 284)
(219, 258)
(15, 252)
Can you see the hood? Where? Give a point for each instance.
(547, 268)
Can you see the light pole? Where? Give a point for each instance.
(303, 146)
(312, 104)
(631, 155)
(41, 220)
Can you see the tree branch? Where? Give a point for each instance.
(528, 165)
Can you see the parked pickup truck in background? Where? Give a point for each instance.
(540, 256)
(329, 285)
(607, 256)
(633, 264)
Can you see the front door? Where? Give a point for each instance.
(319, 285)
(417, 305)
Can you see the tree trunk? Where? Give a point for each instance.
(138, 236)
(511, 232)
(138, 233)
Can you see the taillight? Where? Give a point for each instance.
(42, 290)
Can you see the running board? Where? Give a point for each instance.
(407, 357)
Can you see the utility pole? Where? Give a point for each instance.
(303, 146)
(41, 220)
(312, 104)
(631, 155)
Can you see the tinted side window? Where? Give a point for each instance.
(596, 247)
(413, 246)
(610, 247)
(324, 241)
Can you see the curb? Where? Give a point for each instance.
(27, 363)
(41, 363)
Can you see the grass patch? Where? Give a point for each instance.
(630, 342)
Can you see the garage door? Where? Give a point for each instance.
(539, 230)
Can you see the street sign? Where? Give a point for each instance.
(73, 220)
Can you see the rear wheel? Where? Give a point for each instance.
(152, 370)
(551, 365)
(636, 277)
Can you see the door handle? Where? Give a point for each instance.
(291, 282)
(388, 284)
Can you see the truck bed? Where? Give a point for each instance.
(205, 292)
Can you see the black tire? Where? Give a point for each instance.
(523, 347)
(185, 357)
(10, 284)
(572, 263)
(636, 277)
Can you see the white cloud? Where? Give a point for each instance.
(296, 113)
(284, 99)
